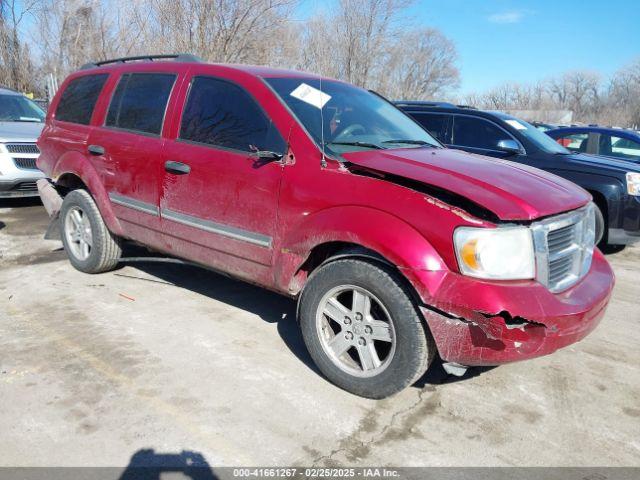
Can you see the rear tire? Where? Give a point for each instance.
(371, 347)
(89, 244)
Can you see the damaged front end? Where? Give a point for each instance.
(489, 323)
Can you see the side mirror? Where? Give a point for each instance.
(509, 146)
(267, 155)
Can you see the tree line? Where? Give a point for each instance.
(591, 97)
(371, 43)
(360, 41)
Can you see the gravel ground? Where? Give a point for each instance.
(94, 368)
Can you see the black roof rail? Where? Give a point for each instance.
(422, 103)
(468, 107)
(178, 57)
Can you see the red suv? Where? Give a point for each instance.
(396, 247)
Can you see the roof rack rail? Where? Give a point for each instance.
(424, 103)
(178, 57)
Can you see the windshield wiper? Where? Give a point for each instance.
(412, 142)
(357, 144)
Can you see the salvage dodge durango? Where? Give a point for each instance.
(396, 248)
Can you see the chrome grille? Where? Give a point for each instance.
(564, 247)
(26, 187)
(25, 163)
(559, 268)
(23, 148)
(560, 239)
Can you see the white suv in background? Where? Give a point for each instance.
(21, 122)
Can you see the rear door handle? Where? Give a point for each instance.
(96, 150)
(177, 168)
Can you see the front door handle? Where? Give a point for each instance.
(177, 168)
(96, 150)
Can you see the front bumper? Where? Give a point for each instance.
(477, 322)
(20, 187)
(624, 225)
(16, 181)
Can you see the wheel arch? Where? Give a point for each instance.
(332, 234)
(74, 171)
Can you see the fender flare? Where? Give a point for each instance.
(75, 163)
(372, 229)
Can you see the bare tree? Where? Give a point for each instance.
(353, 41)
(369, 43)
(623, 96)
(73, 32)
(577, 91)
(240, 31)
(422, 65)
(14, 54)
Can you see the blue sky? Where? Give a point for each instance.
(502, 41)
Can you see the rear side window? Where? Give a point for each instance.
(624, 148)
(222, 114)
(79, 99)
(477, 133)
(435, 123)
(140, 101)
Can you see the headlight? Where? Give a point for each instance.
(495, 253)
(633, 183)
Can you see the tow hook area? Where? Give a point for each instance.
(455, 369)
(52, 202)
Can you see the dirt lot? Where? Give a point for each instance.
(173, 358)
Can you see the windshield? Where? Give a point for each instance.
(346, 118)
(540, 139)
(16, 108)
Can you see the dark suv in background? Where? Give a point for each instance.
(613, 183)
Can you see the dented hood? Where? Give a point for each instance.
(510, 190)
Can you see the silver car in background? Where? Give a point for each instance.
(21, 122)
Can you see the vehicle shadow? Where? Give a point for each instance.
(146, 464)
(269, 306)
(612, 249)
(19, 202)
(436, 375)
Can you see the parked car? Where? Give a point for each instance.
(614, 184)
(394, 246)
(609, 142)
(21, 122)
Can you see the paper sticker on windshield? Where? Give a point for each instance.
(516, 124)
(310, 95)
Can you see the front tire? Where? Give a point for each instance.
(89, 244)
(362, 328)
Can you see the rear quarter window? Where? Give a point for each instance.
(79, 99)
(140, 101)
